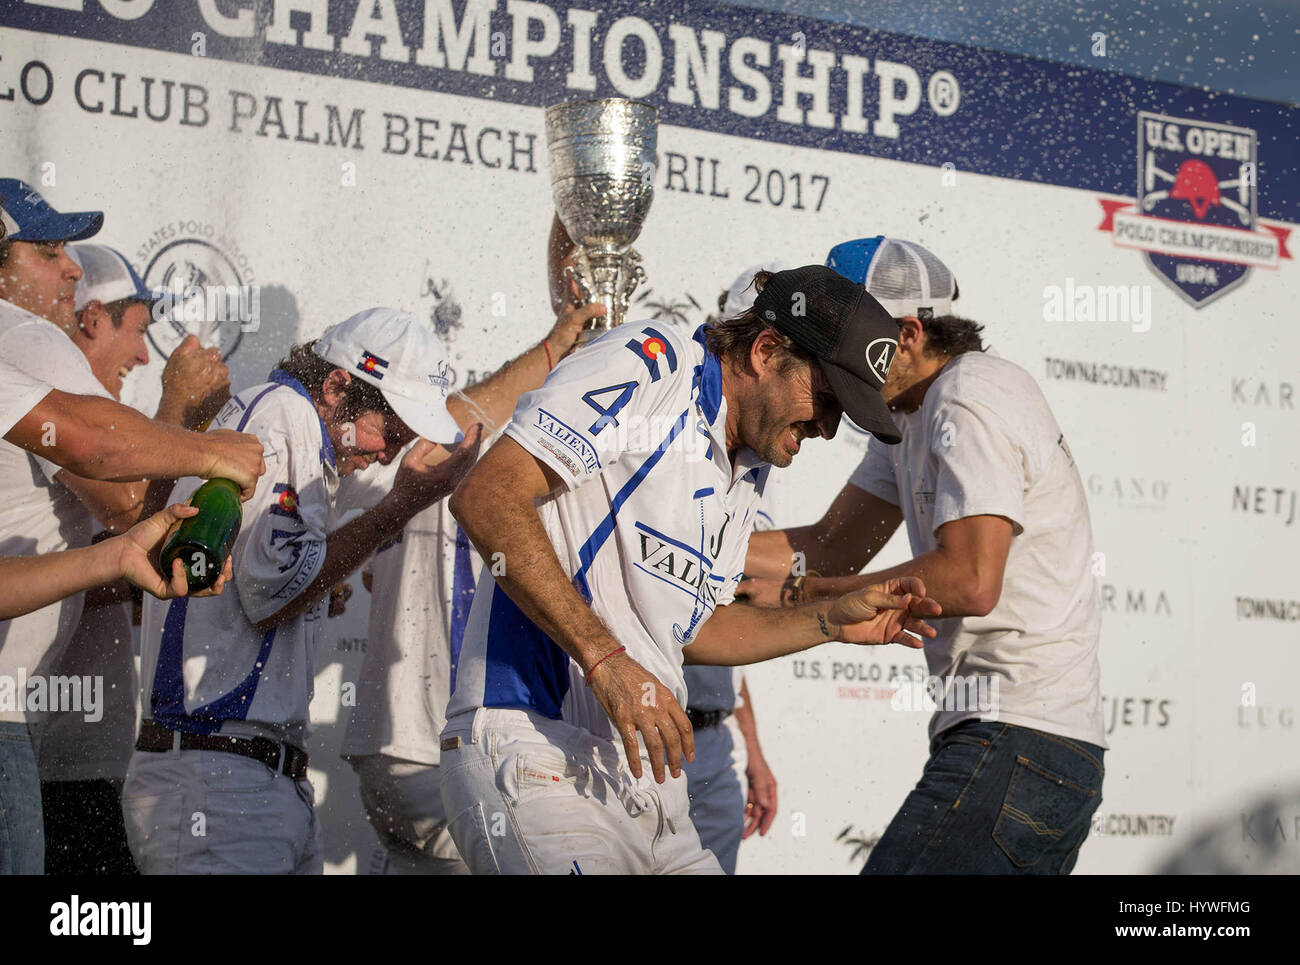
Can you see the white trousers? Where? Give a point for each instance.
(403, 803)
(210, 812)
(528, 795)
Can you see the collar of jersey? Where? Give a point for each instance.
(708, 395)
(281, 377)
(708, 380)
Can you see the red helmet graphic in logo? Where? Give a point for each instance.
(1196, 184)
(1194, 216)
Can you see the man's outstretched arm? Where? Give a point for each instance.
(843, 541)
(964, 573)
(492, 400)
(101, 439)
(740, 634)
(28, 583)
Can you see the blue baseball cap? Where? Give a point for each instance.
(905, 278)
(27, 217)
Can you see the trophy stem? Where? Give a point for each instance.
(612, 276)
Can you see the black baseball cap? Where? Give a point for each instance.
(853, 338)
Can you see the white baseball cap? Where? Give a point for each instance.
(908, 280)
(741, 294)
(403, 359)
(106, 276)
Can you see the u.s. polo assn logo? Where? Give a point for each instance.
(1194, 216)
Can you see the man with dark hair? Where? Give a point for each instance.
(621, 498)
(226, 682)
(998, 519)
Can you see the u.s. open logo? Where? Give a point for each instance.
(1194, 215)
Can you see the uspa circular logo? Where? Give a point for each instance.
(206, 288)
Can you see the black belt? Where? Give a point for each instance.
(704, 719)
(156, 738)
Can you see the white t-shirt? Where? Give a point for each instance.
(37, 514)
(19, 393)
(423, 589)
(205, 668)
(73, 746)
(652, 528)
(985, 442)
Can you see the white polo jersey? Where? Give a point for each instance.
(205, 667)
(985, 443)
(424, 584)
(423, 588)
(652, 528)
(19, 394)
(718, 688)
(37, 514)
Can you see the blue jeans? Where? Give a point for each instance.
(995, 798)
(22, 829)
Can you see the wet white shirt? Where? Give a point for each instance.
(37, 514)
(205, 667)
(985, 442)
(652, 528)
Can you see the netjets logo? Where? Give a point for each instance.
(880, 355)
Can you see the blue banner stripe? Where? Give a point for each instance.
(1014, 117)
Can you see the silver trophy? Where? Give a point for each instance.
(602, 155)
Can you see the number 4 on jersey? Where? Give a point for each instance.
(650, 349)
(608, 413)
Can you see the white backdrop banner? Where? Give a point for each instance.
(1125, 242)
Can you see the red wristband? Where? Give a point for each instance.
(612, 653)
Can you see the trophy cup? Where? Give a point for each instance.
(602, 157)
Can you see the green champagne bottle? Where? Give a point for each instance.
(203, 542)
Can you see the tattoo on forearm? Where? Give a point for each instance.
(821, 621)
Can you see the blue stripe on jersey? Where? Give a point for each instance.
(708, 379)
(462, 598)
(587, 555)
(249, 411)
(167, 701)
(281, 377)
(523, 667)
